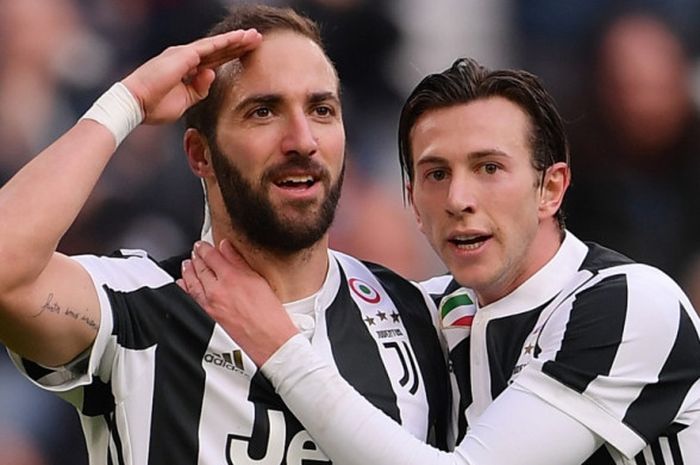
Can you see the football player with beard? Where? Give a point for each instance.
(154, 378)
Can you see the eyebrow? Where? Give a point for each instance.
(276, 99)
(318, 97)
(472, 156)
(258, 99)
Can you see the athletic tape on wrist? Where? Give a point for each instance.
(117, 110)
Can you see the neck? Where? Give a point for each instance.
(543, 248)
(292, 276)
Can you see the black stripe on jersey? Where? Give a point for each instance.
(356, 354)
(640, 460)
(173, 265)
(97, 399)
(424, 339)
(658, 403)
(459, 364)
(505, 338)
(114, 434)
(599, 258)
(675, 449)
(176, 330)
(657, 454)
(600, 457)
(593, 334)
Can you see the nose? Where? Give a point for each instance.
(299, 135)
(461, 197)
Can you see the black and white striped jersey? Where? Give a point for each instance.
(608, 341)
(164, 385)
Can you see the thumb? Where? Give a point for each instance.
(201, 82)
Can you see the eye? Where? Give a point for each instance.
(261, 112)
(490, 168)
(324, 110)
(437, 175)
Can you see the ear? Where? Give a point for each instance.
(409, 191)
(198, 154)
(556, 182)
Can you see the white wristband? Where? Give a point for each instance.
(117, 110)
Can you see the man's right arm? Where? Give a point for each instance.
(49, 309)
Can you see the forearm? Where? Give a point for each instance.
(338, 418)
(49, 307)
(42, 200)
(40, 287)
(517, 429)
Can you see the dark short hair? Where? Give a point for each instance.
(265, 19)
(466, 81)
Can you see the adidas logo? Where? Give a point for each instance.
(232, 361)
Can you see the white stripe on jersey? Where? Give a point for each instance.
(133, 414)
(394, 347)
(223, 414)
(638, 324)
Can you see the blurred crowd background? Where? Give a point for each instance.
(626, 75)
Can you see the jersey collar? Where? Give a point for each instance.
(543, 285)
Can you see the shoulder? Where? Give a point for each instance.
(125, 270)
(364, 276)
(635, 290)
(620, 312)
(353, 267)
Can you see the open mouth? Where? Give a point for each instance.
(468, 242)
(296, 182)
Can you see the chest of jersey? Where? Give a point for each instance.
(208, 401)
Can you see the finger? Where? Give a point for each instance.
(217, 59)
(216, 50)
(223, 52)
(192, 284)
(203, 272)
(225, 38)
(201, 83)
(182, 285)
(189, 278)
(212, 258)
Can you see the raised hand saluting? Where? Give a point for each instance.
(168, 84)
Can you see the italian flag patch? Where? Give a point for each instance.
(457, 310)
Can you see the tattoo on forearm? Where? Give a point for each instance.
(52, 306)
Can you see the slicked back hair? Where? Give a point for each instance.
(265, 19)
(466, 81)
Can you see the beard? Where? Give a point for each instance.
(281, 230)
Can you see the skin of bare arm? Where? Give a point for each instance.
(49, 310)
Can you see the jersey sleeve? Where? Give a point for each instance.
(131, 270)
(620, 356)
(519, 428)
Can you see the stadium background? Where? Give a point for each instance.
(626, 75)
